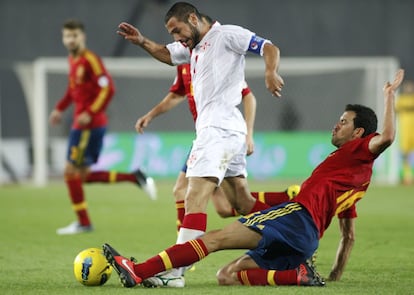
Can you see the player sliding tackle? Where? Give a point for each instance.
(281, 238)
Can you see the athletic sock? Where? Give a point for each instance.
(76, 194)
(271, 198)
(110, 177)
(263, 277)
(179, 206)
(173, 257)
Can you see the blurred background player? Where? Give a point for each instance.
(90, 89)
(405, 112)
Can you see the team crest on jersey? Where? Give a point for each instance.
(79, 75)
(254, 45)
(204, 46)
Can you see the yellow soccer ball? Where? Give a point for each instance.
(91, 267)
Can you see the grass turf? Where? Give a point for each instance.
(34, 260)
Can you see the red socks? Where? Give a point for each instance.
(175, 256)
(263, 277)
(271, 198)
(110, 177)
(179, 206)
(77, 197)
(258, 206)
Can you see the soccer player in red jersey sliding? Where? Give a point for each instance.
(282, 238)
(90, 89)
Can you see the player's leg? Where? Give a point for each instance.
(245, 271)
(179, 191)
(221, 203)
(238, 194)
(234, 236)
(137, 177)
(224, 193)
(79, 158)
(73, 180)
(276, 198)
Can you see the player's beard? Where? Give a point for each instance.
(195, 36)
(74, 50)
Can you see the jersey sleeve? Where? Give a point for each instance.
(180, 54)
(178, 86)
(349, 213)
(237, 38)
(246, 89)
(103, 83)
(64, 102)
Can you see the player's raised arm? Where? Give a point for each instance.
(132, 34)
(380, 142)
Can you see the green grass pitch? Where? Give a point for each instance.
(34, 260)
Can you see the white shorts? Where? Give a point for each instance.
(217, 153)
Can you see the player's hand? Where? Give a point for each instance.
(389, 88)
(250, 145)
(55, 117)
(131, 33)
(83, 119)
(274, 83)
(334, 276)
(142, 123)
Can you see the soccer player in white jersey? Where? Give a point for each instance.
(217, 58)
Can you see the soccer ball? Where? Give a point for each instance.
(91, 267)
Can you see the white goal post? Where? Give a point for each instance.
(34, 78)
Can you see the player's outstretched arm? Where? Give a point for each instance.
(170, 101)
(132, 34)
(380, 142)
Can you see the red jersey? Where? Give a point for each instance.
(338, 183)
(90, 89)
(182, 86)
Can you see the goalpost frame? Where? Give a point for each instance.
(34, 80)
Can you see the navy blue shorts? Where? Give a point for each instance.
(289, 236)
(84, 146)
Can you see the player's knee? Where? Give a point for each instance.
(179, 192)
(222, 277)
(225, 212)
(225, 277)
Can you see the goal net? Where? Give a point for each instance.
(315, 94)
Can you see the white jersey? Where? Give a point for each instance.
(217, 71)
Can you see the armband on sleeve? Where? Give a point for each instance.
(256, 44)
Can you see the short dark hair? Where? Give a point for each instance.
(365, 118)
(181, 11)
(73, 24)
